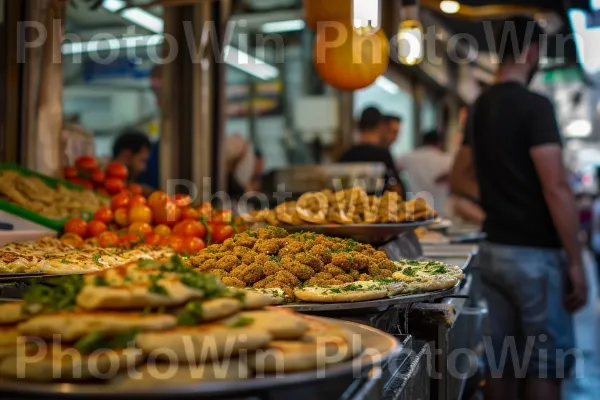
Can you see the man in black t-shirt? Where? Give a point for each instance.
(370, 149)
(531, 223)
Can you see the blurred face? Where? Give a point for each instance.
(138, 162)
(391, 132)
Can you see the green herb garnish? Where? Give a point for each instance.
(54, 294)
(409, 271)
(96, 258)
(99, 340)
(66, 262)
(100, 281)
(155, 287)
(191, 314)
(241, 322)
(275, 258)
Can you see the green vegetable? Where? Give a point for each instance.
(241, 322)
(409, 271)
(191, 314)
(275, 258)
(100, 281)
(155, 287)
(99, 340)
(54, 294)
(208, 283)
(90, 342)
(96, 258)
(439, 270)
(66, 262)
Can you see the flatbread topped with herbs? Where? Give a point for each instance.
(427, 276)
(347, 293)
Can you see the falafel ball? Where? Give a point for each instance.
(333, 270)
(233, 282)
(292, 248)
(379, 255)
(267, 246)
(245, 240)
(271, 268)
(325, 276)
(311, 260)
(287, 290)
(207, 266)
(228, 263)
(299, 270)
(286, 277)
(271, 232)
(346, 278)
(219, 273)
(322, 252)
(249, 257)
(249, 274)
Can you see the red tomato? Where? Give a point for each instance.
(121, 217)
(140, 213)
(168, 214)
(162, 230)
(221, 232)
(189, 213)
(176, 243)
(120, 200)
(108, 239)
(135, 188)
(157, 199)
(87, 185)
(129, 240)
(71, 173)
(189, 227)
(205, 210)
(104, 214)
(137, 199)
(152, 239)
(95, 228)
(241, 228)
(192, 245)
(114, 185)
(182, 200)
(77, 226)
(140, 229)
(221, 217)
(86, 163)
(102, 190)
(97, 176)
(117, 170)
(71, 239)
(164, 241)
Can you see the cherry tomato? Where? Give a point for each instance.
(97, 176)
(168, 214)
(71, 173)
(129, 240)
(140, 213)
(95, 228)
(205, 210)
(162, 230)
(121, 217)
(135, 188)
(222, 217)
(71, 239)
(164, 241)
(114, 185)
(88, 185)
(157, 199)
(192, 245)
(120, 200)
(140, 229)
(152, 239)
(108, 239)
(117, 170)
(137, 199)
(189, 213)
(104, 214)
(176, 243)
(201, 229)
(221, 232)
(77, 226)
(182, 200)
(189, 227)
(102, 190)
(241, 228)
(86, 163)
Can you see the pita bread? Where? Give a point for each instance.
(11, 313)
(75, 325)
(64, 363)
(351, 292)
(280, 324)
(157, 374)
(219, 308)
(254, 300)
(136, 295)
(201, 343)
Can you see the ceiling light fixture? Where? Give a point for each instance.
(250, 65)
(292, 25)
(366, 14)
(111, 44)
(578, 128)
(136, 15)
(387, 85)
(450, 6)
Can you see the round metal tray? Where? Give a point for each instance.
(367, 233)
(334, 308)
(379, 347)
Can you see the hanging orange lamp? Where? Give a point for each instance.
(316, 11)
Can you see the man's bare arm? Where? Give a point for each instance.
(462, 175)
(548, 162)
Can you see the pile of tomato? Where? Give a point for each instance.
(88, 174)
(159, 220)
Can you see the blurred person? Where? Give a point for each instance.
(428, 168)
(532, 263)
(132, 149)
(391, 130)
(239, 164)
(369, 149)
(255, 184)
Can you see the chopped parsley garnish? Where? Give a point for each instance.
(99, 340)
(66, 262)
(100, 281)
(439, 270)
(275, 258)
(208, 283)
(155, 287)
(54, 294)
(191, 314)
(241, 322)
(409, 271)
(387, 280)
(96, 258)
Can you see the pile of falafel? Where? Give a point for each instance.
(270, 257)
